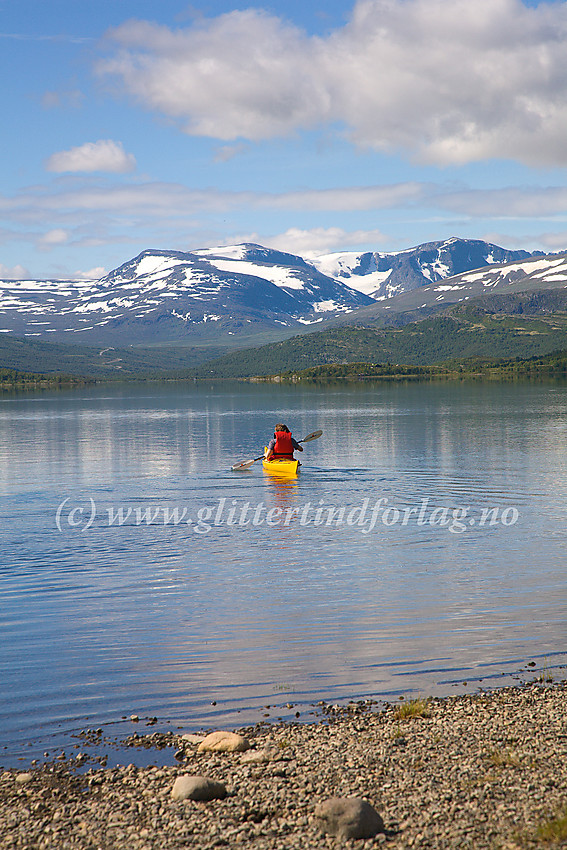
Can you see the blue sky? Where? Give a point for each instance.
(312, 128)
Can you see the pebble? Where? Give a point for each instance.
(480, 771)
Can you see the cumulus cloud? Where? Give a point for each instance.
(16, 272)
(448, 81)
(53, 238)
(91, 274)
(104, 155)
(318, 240)
(244, 74)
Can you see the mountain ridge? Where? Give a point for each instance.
(382, 275)
(241, 292)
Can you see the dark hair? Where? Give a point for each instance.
(280, 427)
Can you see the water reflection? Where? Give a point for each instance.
(284, 490)
(283, 501)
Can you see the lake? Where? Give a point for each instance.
(421, 551)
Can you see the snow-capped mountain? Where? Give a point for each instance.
(213, 295)
(174, 296)
(383, 275)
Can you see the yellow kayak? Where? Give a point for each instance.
(281, 466)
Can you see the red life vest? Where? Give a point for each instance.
(284, 446)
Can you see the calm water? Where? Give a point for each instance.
(423, 545)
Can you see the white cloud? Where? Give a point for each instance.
(14, 273)
(243, 74)
(318, 240)
(554, 241)
(76, 202)
(53, 238)
(511, 202)
(60, 99)
(92, 274)
(449, 81)
(227, 152)
(350, 198)
(93, 212)
(551, 241)
(104, 155)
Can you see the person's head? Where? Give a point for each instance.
(280, 427)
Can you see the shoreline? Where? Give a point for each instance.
(482, 770)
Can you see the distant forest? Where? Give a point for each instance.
(11, 379)
(553, 364)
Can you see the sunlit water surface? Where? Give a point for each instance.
(422, 546)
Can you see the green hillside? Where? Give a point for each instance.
(464, 332)
(48, 358)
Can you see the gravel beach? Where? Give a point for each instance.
(475, 771)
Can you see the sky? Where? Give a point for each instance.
(308, 127)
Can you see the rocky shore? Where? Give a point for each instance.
(481, 771)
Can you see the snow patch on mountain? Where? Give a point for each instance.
(231, 252)
(277, 275)
(152, 265)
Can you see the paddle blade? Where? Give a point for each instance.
(314, 436)
(245, 464)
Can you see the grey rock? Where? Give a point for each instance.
(348, 817)
(256, 757)
(190, 787)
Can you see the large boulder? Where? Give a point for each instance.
(223, 742)
(189, 787)
(348, 817)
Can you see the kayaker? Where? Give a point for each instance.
(282, 444)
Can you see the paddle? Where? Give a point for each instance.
(246, 464)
